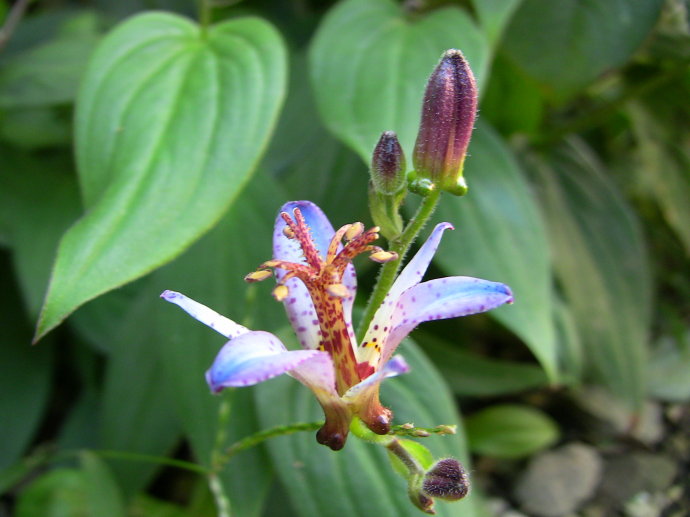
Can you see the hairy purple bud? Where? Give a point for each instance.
(388, 165)
(447, 479)
(448, 113)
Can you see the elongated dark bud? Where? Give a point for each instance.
(448, 114)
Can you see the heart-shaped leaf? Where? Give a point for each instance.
(567, 44)
(370, 62)
(171, 121)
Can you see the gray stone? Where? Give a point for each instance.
(627, 475)
(557, 482)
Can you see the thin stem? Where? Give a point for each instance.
(215, 485)
(205, 9)
(146, 458)
(401, 246)
(13, 18)
(261, 436)
(219, 495)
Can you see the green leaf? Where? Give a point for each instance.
(103, 494)
(147, 424)
(301, 141)
(25, 376)
(59, 492)
(89, 492)
(664, 160)
(359, 480)
(171, 121)
(494, 15)
(49, 73)
(510, 431)
(469, 374)
(567, 44)
(601, 261)
(500, 236)
(370, 62)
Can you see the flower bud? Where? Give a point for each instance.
(388, 165)
(448, 113)
(447, 479)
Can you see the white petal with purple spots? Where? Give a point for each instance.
(200, 312)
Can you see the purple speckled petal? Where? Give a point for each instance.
(207, 316)
(396, 366)
(412, 274)
(253, 358)
(442, 298)
(298, 304)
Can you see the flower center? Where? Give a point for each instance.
(323, 279)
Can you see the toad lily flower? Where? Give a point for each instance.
(317, 284)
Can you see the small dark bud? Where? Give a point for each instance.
(448, 113)
(388, 165)
(447, 479)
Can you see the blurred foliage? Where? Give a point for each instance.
(142, 151)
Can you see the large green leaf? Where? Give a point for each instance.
(359, 480)
(500, 236)
(567, 44)
(170, 123)
(601, 261)
(147, 424)
(370, 62)
(25, 375)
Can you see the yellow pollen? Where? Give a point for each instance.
(383, 256)
(338, 290)
(280, 292)
(258, 276)
(354, 231)
(288, 232)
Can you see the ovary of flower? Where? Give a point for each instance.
(317, 284)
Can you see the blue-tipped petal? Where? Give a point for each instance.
(443, 298)
(253, 358)
(207, 316)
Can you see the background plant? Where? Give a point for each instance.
(579, 177)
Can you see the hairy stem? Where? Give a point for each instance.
(401, 246)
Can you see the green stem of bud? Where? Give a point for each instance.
(401, 246)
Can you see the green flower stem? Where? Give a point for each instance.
(401, 246)
(214, 483)
(219, 495)
(261, 436)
